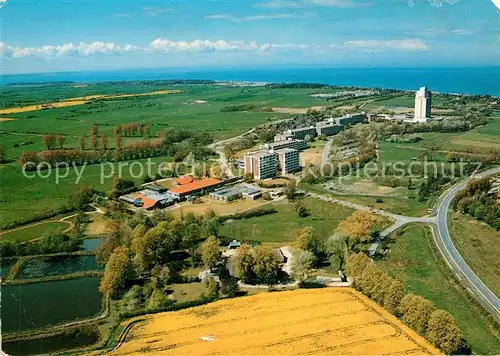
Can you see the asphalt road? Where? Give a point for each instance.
(464, 273)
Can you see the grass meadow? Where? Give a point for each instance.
(282, 226)
(415, 261)
(478, 244)
(35, 231)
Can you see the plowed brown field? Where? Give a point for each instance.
(314, 322)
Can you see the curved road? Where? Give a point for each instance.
(464, 273)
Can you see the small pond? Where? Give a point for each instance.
(5, 266)
(34, 305)
(51, 344)
(92, 244)
(57, 266)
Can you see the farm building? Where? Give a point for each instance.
(228, 194)
(195, 187)
(149, 199)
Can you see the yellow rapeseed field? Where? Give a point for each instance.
(308, 321)
(79, 101)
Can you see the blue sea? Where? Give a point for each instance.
(467, 80)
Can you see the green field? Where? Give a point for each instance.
(478, 245)
(35, 231)
(410, 207)
(415, 261)
(282, 226)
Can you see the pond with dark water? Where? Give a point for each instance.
(57, 266)
(35, 305)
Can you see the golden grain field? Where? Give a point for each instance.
(80, 101)
(308, 321)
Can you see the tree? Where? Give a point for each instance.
(228, 284)
(336, 248)
(444, 332)
(94, 130)
(308, 138)
(49, 141)
(190, 238)
(213, 288)
(81, 142)
(301, 209)
(93, 142)
(244, 262)
(228, 152)
(211, 252)
(80, 222)
(118, 234)
(355, 265)
(415, 312)
(302, 265)
(117, 271)
(60, 140)
(359, 225)
(158, 300)
(266, 267)
(291, 189)
(395, 292)
(211, 227)
(82, 198)
(3, 153)
(104, 142)
(307, 241)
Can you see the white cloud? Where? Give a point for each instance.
(154, 11)
(121, 15)
(437, 32)
(277, 4)
(67, 49)
(377, 45)
(461, 32)
(232, 18)
(341, 3)
(166, 45)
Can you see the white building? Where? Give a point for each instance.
(422, 105)
(289, 161)
(262, 164)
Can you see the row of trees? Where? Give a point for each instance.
(52, 141)
(438, 326)
(167, 145)
(257, 265)
(478, 201)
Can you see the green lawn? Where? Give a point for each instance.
(32, 232)
(478, 244)
(184, 292)
(282, 226)
(415, 261)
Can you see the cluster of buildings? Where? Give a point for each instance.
(156, 196)
(282, 155)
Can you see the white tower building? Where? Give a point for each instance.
(422, 105)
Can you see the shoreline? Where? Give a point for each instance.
(473, 80)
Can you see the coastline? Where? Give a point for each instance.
(449, 80)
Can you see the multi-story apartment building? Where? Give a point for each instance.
(262, 164)
(328, 127)
(289, 161)
(295, 144)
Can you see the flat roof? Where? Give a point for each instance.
(286, 150)
(195, 185)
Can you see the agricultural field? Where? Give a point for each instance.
(314, 321)
(283, 225)
(414, 260)
(477, 242)
(35, 231)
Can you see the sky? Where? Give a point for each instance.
(79, 35)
